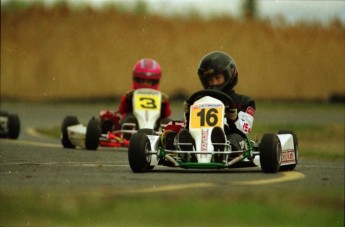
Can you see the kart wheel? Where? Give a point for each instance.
(13, 126)
(93, 132)
(295, 144)
(68, 121)
(148, 131)
(270, 152)
(138, 149)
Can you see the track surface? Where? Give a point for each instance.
(39, 162)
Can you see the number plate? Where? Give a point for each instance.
(206, 115)
(147, 100)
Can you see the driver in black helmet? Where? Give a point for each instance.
(217, 70)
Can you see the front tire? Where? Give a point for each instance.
(270, 152)
(93, 132)
(68, 121)
(138, 149)
(148, 131)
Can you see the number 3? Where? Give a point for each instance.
(147, 103)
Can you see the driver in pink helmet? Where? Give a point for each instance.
(146, 74)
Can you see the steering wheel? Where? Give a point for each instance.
(226, 99)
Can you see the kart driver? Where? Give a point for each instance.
(217, 70)
(146, 74)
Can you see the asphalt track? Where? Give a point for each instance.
(39, 162)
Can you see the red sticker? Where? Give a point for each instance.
(250, 111)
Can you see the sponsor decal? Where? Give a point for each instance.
(207, 105)
(288, 156)
(250, 111)
(204, 137)
(147, 92)
(246, 127)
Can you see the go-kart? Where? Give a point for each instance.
(276, 151)
(9, 125)
(146, 115)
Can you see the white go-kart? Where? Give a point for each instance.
(205, 146)
(146, 113)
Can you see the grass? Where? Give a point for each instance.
(173, 209)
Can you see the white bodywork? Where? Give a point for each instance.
(205, 114)
(3, 125)
(76, 134)
(288, 150)
(147, 107)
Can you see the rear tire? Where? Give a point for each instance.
(138, 149)
(13, 126)
(93, 132)
(68, 121)
(270, 152)
(295, 144)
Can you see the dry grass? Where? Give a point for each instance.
(58, 54)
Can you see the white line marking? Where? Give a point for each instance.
(33, 143)
(33, 132)
(287, 176)
(172, 187)
(81, 164)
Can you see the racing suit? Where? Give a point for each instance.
(246, 110)
(238, 128)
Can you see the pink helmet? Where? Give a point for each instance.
(146, 69)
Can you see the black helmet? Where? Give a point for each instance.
(215, 63)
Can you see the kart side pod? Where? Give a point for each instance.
(288, 154)
(278, 151)
(75, 134)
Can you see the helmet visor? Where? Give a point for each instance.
(146, 81)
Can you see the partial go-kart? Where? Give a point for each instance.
(205, 145)
(9, 125)
(146, 115)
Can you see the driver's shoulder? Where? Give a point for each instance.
(240, 97)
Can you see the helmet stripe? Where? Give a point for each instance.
(148, 64)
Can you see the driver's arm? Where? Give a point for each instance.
(245, 117)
